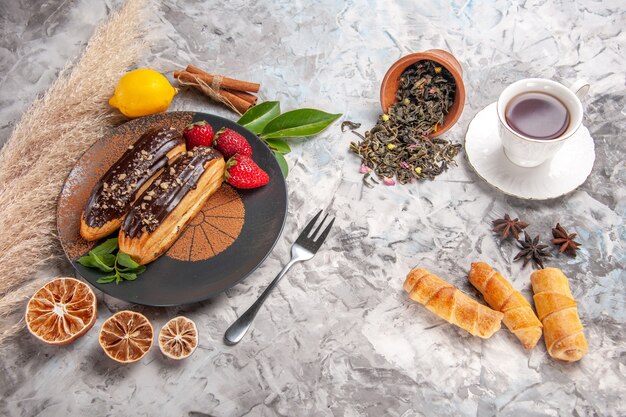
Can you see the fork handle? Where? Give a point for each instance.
(238, 329)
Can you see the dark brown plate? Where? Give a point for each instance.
(225, 243)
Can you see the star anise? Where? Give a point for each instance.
(532, 250)
(508, 226)
(564, 240)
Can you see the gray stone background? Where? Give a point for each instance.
(339, 337)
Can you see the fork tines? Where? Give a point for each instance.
(307, 236)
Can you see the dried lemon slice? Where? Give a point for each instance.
(126, 336)
(61, 311)
(178, 338)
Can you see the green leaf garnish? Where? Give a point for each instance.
(100, 264)
(298, 123)
(108, 246)
(107, 279)
(125, 260)
(102, 258)
(139, 270)
(259, 116)
(278, 145)
(108, 259)
(130, 276)
(282, 162)
(87, 261)
(266, 121)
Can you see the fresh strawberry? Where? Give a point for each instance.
(198, 134)
(243, 172)
(229, 143)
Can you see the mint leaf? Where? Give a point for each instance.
(87, 261)
(122, 264)
(298, 123)
(107, 258)
(130, 276)
(107, 279)
(140, 270)
(108, 246)
(259, 116)
(125, 260)
(99, 263)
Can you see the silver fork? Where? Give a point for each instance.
(304, 248)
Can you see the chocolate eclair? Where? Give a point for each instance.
(161, 213)
(113, 195)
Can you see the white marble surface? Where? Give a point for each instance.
(338, 337)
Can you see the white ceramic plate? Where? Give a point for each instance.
(567, 170)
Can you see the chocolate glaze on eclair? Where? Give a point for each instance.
(115, 192)
(164, 194)
(163, 210)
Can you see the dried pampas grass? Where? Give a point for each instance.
(51, 135)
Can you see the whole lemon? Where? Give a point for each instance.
(142, 92)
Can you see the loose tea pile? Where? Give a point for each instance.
(398, 146)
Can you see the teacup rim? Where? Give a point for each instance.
(500, 114)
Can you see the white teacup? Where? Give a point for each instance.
(528, 152)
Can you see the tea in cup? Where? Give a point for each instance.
(536, 116)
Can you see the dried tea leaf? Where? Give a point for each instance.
(398, 145)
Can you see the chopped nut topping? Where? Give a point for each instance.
(121, 176)
(147, 198)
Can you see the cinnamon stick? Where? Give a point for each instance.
(225, 82)
(239, 104)
(250, 98)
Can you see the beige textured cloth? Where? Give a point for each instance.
(51, 135)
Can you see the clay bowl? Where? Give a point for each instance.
(390, 83)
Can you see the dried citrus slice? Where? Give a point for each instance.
(126, 336)
(178, 338)
(61, 311)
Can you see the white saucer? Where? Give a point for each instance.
(568, 169)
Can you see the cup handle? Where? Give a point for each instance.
(580, 88)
